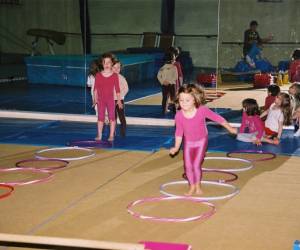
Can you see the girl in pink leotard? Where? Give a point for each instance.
(190, 124)
(106, 82)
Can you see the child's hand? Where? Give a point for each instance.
(173, 151)
(94, 104)
(257, 142)
(276, 141)
(233, 131)
(119, 103)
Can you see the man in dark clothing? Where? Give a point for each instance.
(251, 36)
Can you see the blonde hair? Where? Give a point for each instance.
(195, 91)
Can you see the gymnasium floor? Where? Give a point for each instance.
(88, 198)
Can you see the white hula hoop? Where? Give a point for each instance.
(234, 192)
(229, 159)
(91, 153)
(202, 216)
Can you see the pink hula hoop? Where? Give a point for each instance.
(8, 193)
(22, 183)
(203, 216)
(272, 155)
(20, 164)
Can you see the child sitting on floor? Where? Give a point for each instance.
(273, 91)
(278, 114)
(252, 127)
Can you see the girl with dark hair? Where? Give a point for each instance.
(94, 69)
(273, 91)
(252, 127)
(120, 112)
(167, 76)
(294, 68)
(106, 82)
(175, 51)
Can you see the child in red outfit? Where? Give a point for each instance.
(106, 82)
(294, 69)
(273, 91)
(175, 52)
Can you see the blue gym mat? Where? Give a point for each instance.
(145, 138)
(61, 99)
(77, 100)
(72, 70)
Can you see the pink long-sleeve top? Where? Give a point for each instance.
(105, 86)
(253, 123)
(194, 129)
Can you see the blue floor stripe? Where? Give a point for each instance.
(146, 138)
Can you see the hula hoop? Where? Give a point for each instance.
(209, 198)
(203, 216)
(22, 183)
(230, 159)
(19, 164)
(10, 190)
(90, 144)
(272, 155)
(91, 153)
(233, 176)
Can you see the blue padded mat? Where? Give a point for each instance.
(72, 70)
(61, 99)
(77, 100)
(55, 133)
(146, 138)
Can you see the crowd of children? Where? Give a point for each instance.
(187, 102)
(280, 109)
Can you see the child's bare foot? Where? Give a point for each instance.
(191, 191)
(199, 190)
(98, 138)
(111, 138)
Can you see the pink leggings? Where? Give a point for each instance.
(193, 155)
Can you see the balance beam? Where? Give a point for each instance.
(19, 240)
